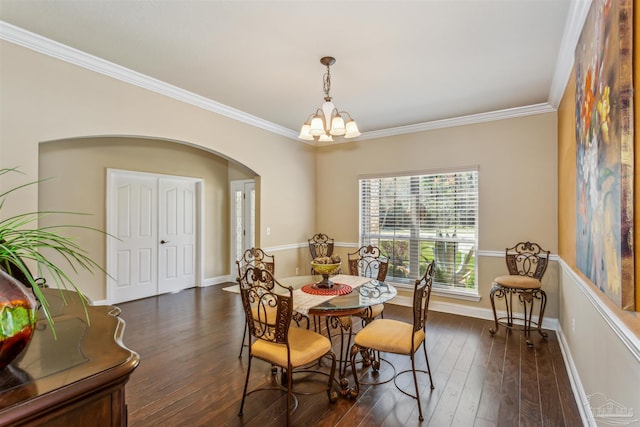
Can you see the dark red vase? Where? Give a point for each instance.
(18, 315)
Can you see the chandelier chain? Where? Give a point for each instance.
(327, 83)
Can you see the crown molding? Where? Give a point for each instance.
(57, 50)
(51, 48)
(564, 64)
(460, 121)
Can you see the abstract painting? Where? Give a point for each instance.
(604, 150)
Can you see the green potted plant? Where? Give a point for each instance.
(23, 242)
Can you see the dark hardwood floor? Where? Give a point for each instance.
(190, 373)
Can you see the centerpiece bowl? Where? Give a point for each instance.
(325, 270)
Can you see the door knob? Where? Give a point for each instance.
(162, 242)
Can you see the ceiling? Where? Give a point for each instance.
(398, 64)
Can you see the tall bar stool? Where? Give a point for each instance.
(527, 263)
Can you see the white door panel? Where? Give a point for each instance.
(145, 210)
(176, 218)
(134, 252)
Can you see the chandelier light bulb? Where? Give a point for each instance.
(352, 129)
(317, 126)
(304, 132)
(337, 126)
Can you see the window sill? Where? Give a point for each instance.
(443, 292)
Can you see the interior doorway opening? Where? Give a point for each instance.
(243, 218)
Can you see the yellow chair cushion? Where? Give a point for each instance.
(390, 336)
(267, 315)
(305, 347)
(518, 282)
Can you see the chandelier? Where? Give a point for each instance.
(327, 121)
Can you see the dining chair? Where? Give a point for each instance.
(254, 257)
(398, 337)
(320, 245)
(369, 261)
(526, 263)
(268, 308)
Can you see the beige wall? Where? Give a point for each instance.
(52, 100)
(516, 159)
(600, 359)
(43, 99)
(79, 166)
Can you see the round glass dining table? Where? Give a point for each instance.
(369, 293)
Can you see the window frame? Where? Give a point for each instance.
(468, 291)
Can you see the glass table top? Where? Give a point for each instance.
(370, 293)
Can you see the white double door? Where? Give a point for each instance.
(154, 220)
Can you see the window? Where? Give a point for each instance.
(416, 219)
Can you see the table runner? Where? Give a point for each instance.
(303, 302)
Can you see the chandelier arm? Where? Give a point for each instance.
(311, 117)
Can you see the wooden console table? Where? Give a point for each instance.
(77, 379)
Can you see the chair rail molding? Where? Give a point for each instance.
(626, 335)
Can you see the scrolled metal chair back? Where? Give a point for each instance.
(421, 297)
(527, 259)
(320, 245)
(268, 305)
(368, 261)
(256, 257)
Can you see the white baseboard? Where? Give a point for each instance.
(217, 280)
(465, 310)
(576, 385)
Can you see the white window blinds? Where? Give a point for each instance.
(416, 219)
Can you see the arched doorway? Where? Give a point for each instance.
(77, 168)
